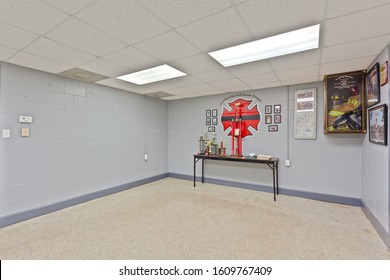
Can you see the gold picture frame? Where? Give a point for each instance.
(345, 103)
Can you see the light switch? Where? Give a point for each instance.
(6, 133)
(25, 132)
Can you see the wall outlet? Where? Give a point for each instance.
(6, 133)
(287, 162)
(145, 157)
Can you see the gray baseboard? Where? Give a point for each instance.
(22, 216)
(315, 196)
(377, 225)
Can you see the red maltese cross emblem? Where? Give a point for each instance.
(249, 117)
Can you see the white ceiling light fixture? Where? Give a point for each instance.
(278, 45)
(155, 74)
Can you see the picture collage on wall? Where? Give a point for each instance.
(273, 119)
(211, 119)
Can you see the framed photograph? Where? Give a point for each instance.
(215, 113)
(277, 119)
(384, 73)
(377, 123)
(211, 128)
(373, 88)
(215, 121)
(277, 109)
(208, 121)
(268, 109)
(305, 114)
(208, 113)
(268, 119)
(344, 103)
(272, 128)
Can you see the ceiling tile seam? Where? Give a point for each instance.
(366, 9)
(92, 3)
(356, 41)
(237, 11)
(322, 34)
(346, 60)
(193, 21)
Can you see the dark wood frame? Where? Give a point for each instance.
(345, 103)
(268, 109)
(373, 129)
(373, 88)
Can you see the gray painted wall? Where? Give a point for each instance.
(375, 172)
(84, 138)
(330, 165)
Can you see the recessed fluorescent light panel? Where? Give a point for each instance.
(155, 74)
(291, 42)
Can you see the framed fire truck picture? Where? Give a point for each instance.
(344, 103)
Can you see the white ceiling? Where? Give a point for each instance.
(116, 37)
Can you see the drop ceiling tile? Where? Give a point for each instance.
(202, 88)
(215, 75)
(162, 85)
(301, 80)
(296, 60)
(180, 12)
(346, 66)
(79, 35)
(259, 79)
(338, 8)
(105, 67)
(212, 92)
(196, 64)
(267, 18)
(178, 91)
(298, 73)
(168, 47)
(6, 52)
(69, 6)
(364, 25)
(55, 51)
(138, 89)
(229, 84)
(265, 85)
(13, 37)
(39, 63)
(185, 81)
(250, 69)
(355, 50)
(133, 58)
(34, 16)
(224, 29)
(192, 95)
(173, 98)
(124, 19)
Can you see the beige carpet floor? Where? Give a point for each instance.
(169, 219)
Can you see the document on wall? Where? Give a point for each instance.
(305, 118)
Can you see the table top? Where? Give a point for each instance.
(236, 158)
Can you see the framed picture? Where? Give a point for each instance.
(208, 113)
(277, 109)
(372, 86)
(344, 103)
(215, 121)
(377, 123)
(215, 113)
(268, 119)
(268, 109)
(272, 128)
(384, 73)
(211, 128)
(277, 119)
(208, 121)
(305, 114)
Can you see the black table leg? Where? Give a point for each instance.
(194, 171)
(202, 170)
(273, 177)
